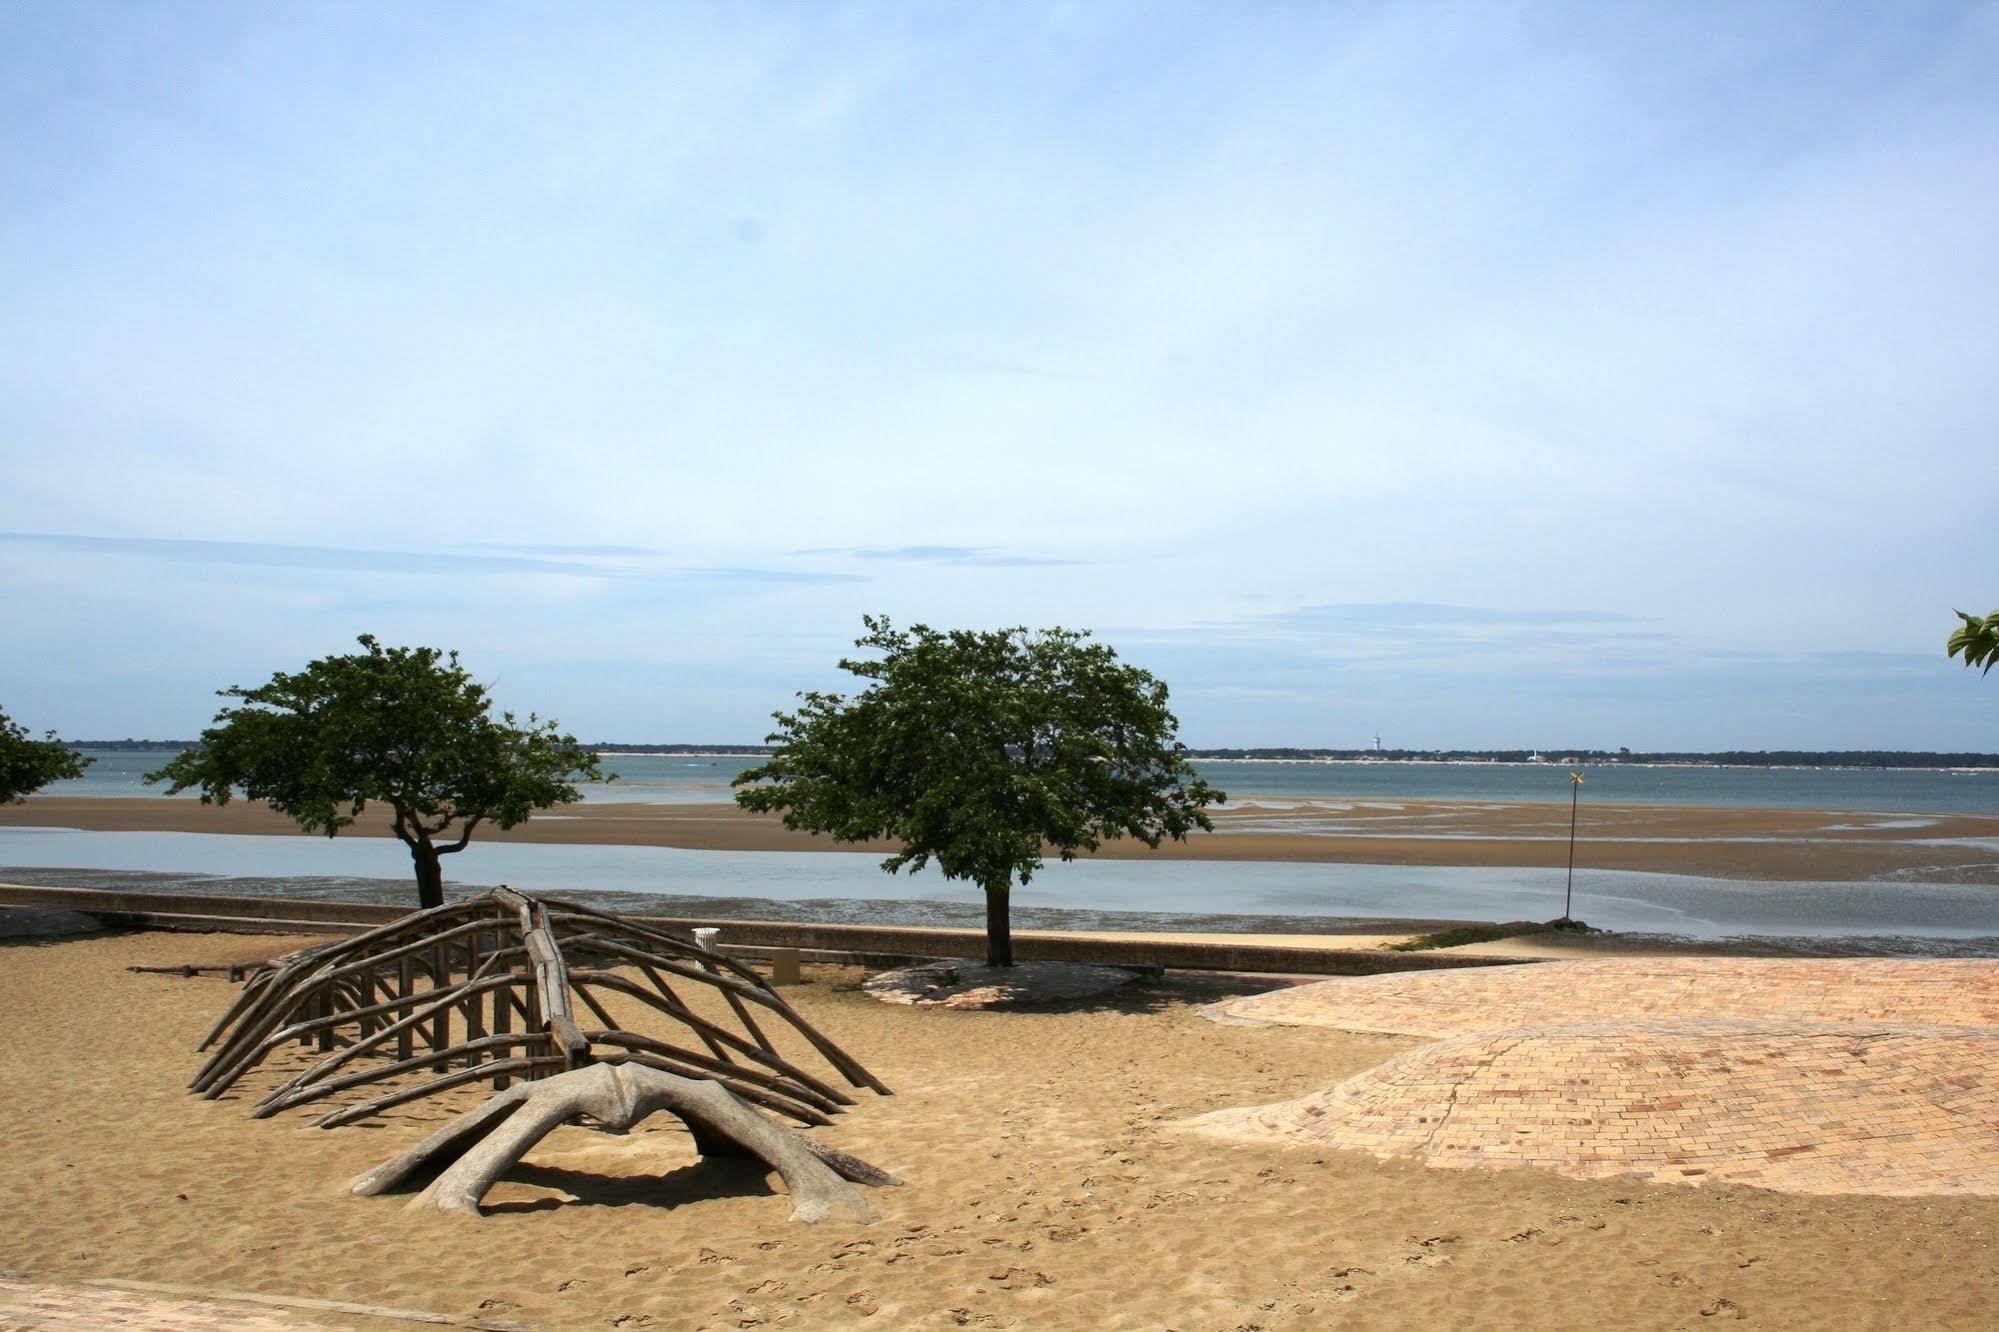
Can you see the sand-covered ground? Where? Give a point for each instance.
(1772, 844)
(1046, 1188)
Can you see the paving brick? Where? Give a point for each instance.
(1959, 992)
(1811, 1076)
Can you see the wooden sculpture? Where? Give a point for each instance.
(486, 990)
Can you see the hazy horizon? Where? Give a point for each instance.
(1462, 374)
(699, 748)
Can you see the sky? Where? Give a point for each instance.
(1485, 375)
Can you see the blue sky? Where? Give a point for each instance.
(1495, 375)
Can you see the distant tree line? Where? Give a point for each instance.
(134, 746)
(1728, 758)
(744, 751)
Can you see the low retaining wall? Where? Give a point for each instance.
(201, 911)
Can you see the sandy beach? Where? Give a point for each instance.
(1764, 844)
(1046, 1187)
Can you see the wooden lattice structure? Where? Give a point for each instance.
(506, 987)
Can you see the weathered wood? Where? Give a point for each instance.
(299, 975)
(503, 1022)
(478, 1148)
(445, 1083)
(759, 994)
(495, 959)
(569, 1040)
(440, 1023)
(769, 1100)
(475, 1018)
(679, 1006)
(673, 943)
(405, 986)
(233, 970)
(723, 1034)
(743, 1016)
(251, 992)
(801, 1103)
(280, 1101)
(365, 990)
(429, 1002)
(432, 1003)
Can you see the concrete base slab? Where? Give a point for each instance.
(948, 984)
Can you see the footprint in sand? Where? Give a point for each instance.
(1430, 1252)
(1019, 1278)
(1347, 1282)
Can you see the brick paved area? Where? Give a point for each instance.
(1806, 1108)
(29, 1304)
(1447, 1003)
(1810, 1076)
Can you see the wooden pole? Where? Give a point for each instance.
(405, 987)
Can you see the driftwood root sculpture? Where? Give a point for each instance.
(515, 991)
(497, 988)
(492, 1139)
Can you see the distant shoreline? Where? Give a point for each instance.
(1785, 760)
(1799, 845)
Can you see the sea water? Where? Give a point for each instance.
(677, 779)
(1163, 894)
(1159, 894)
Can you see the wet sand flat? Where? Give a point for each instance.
(1046, 1188)
(1764, 844)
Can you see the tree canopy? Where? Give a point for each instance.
(406, 727)
(982, 750)
(1976, 640)
(28, 764)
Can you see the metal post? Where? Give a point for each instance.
(1569, 894)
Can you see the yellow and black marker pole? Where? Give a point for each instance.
(1575, 795)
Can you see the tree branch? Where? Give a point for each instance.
(402, 824)
(464, 837)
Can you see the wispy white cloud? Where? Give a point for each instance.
(1432, 616)
(807, 576)
(276, 556)
(977, 556)
(593, 562)
(529, 548)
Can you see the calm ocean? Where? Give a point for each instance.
(654, 778)
(1904, 913)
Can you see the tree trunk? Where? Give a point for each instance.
(429, 875)
(999, 924)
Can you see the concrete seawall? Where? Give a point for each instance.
(889, 944)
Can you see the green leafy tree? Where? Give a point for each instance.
(406, 727)
(1976, 640)
(982, 750)
(28, 764)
